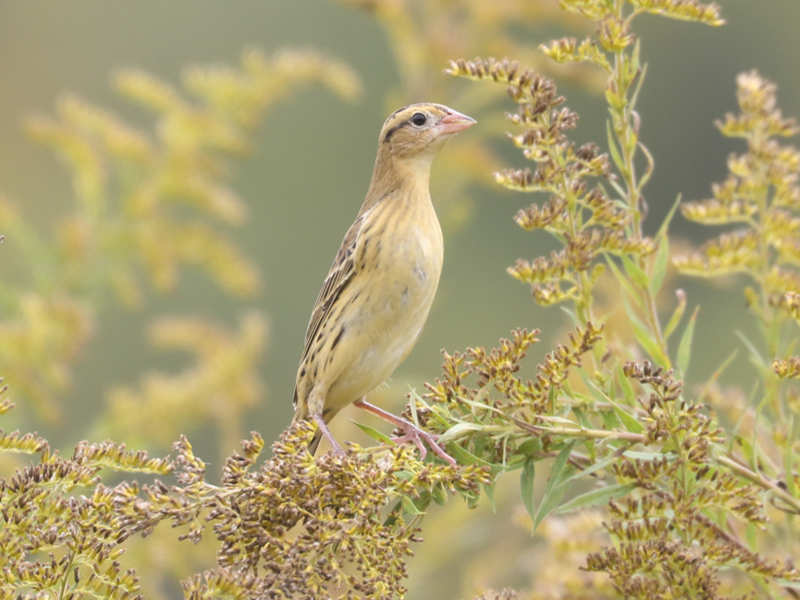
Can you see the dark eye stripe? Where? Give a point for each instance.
(393, 129)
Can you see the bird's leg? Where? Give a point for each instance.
(323, 427)
(412, 433)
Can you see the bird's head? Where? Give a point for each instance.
(419, 130)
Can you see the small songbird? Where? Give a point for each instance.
(377, 295)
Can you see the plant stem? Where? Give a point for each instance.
(582, 432)
(627, 136)
(760, 481)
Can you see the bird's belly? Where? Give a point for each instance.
(391, 317)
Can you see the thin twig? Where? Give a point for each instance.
(582, 432)
(760, 480)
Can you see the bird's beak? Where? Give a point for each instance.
(454, 122)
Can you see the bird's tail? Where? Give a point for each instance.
(301, 414)
(314, 443)
(312, 447)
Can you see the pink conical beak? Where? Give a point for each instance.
(454, 122)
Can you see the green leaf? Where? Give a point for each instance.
(745, 446)
(648, 171)
(627, 388)
(598, 496)
(553, 492)
(623, 281)
(685, 345)
(610, 420)
(580, 415)
(465, 457)
(548, 504)
(530, 447)
(572, 316)
(640, 80)
(618, 414)
(612, 147)
(755, 355)
(598, 466)
(659, 266)
(627, 419)
(633, 270)
(644, 337)
(456, 430)
(393, 515)
(677, 315)
(439, 495)
(662, 231)
(526, 485)
(721, 368)
(410, 508)
(374, 433)
(598, 392)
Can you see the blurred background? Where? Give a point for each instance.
(299, 181)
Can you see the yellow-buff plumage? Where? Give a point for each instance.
(378, 293)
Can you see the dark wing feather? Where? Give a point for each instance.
(339, 276)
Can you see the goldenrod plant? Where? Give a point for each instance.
(146, 204)
(634, 483)
(218, 387)
(680, 494)
(761, 199)
(292, 527)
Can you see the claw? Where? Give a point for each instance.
(411, 433)
(414, 437)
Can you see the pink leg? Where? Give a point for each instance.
(412, 433)
(323, 427)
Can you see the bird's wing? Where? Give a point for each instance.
(340, 274)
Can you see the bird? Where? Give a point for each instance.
(377, 295)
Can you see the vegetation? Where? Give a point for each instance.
(668, 491)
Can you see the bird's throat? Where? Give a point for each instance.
(392, 174)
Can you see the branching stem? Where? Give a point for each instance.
(760, 480)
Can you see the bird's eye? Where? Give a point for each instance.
(418, 119)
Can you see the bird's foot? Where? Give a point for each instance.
(420, 437)
(336, 447)
(411, 433)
